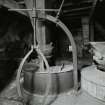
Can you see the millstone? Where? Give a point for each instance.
(93, 82)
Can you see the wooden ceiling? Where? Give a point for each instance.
(71, 8)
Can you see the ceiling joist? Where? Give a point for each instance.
(29, 4)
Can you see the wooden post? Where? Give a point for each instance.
(40, 26)
(91, 31)
(86, 38)
(40, 32)
(85, 29)
(79, 42)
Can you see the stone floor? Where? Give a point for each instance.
(82, 98)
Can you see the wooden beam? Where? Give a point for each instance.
(76, 9)
(12, 4)
(9, 3)
(69, 4)
(85, 29)
(29, 5)
(42, 29)
(78, 14)
(21, 2)
(40, 32)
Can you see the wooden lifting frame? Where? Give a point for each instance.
(63, 27)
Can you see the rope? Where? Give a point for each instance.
(59, 11)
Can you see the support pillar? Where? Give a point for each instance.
(41, 37)
(91, 31)
(85, 29)
(86, 38)
(40, 28)
(79, 42)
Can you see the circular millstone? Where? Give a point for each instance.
(93, 81)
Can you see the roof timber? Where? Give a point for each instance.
(12, 4)
(29, 5)
(68, 8)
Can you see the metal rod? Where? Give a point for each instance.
(37, 9)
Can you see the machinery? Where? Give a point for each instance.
(40, 81)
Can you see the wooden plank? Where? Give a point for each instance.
(29, 5)
(69, 4)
